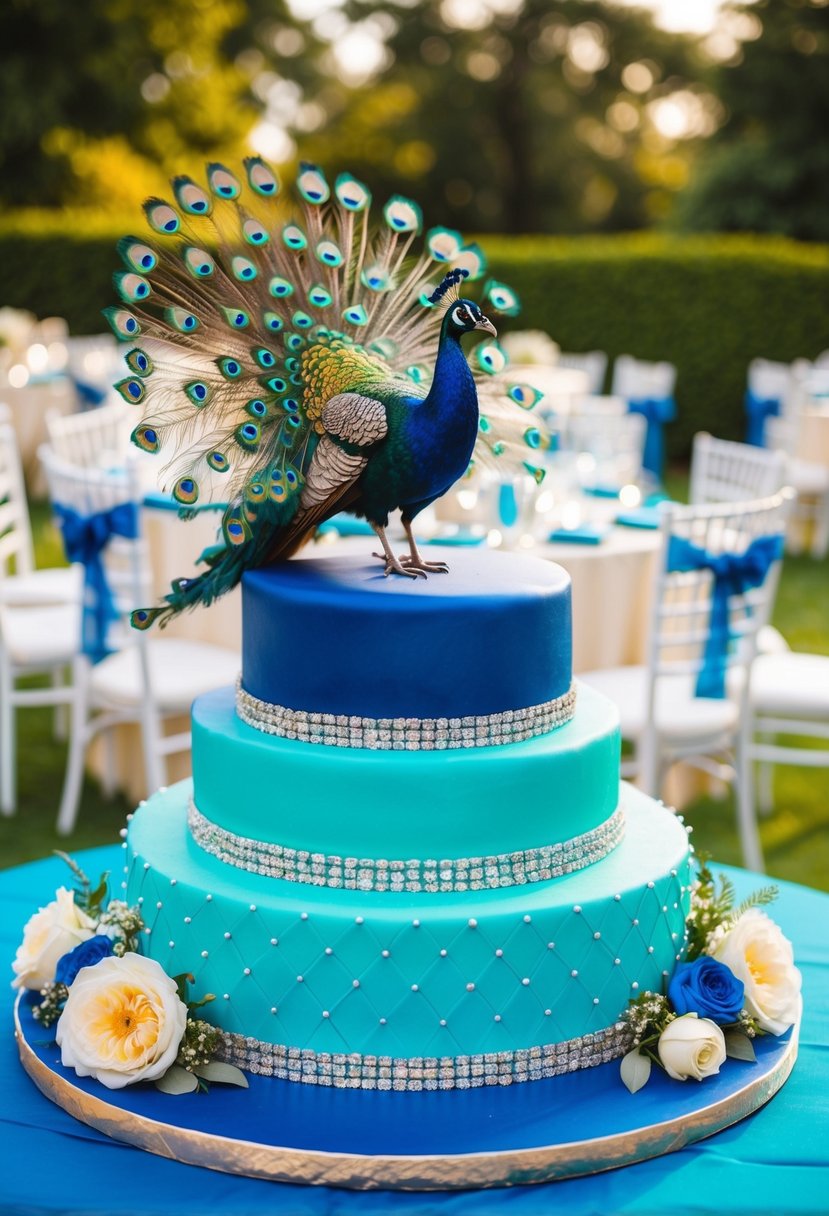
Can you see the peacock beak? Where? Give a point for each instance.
(487, 326)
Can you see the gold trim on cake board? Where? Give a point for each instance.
(435, 1172)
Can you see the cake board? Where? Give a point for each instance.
(437, 1141)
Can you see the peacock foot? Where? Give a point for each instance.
(393, 566)
(413, 561)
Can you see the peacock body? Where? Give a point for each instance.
(296, 361)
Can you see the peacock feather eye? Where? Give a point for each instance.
(131, 389)
(136, 255)
(186, 491)
(490, 357)
(329, 253)
(255, 492)
(139, 362)
(218, 462)
(234, 528)
(471, 259)
(185, 322)
(256, 408)
(143, 618)
(248, 435)
(498, 448)
(353, 195)
(290, 405)
(386, 348)
(355, 315)
(319, 297)
(291, 364)
(377, 278)
(502, 298)
(312, 185)
(122, 323)
(131, 287)
(425, 297)
(161, 216)
(294, 238)
(254, 233)
(524, 395)
(199, 262)
(402, 215)
(443, 244)
(261, 178)
(236, 318)
(484, 425)
(276, 384)
(264, 357)
(293, 420)
(273, 322)
(301, 320)
(294, 342)
(280, 288)
(222, 182)
(146, 438)
(532, 437)
(534, 472)
(243, 269)
(277, 489)
(230, 368)
(418, 373)
(297, 379)
(292, 479)
(198, 392)
(190, 197)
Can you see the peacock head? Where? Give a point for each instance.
(464, 316)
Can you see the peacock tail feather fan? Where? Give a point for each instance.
(250, 307)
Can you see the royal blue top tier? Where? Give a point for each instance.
(332, 635)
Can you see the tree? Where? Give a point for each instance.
(767, 169)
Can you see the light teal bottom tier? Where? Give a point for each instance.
(391, 974)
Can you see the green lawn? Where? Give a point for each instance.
(795, 836)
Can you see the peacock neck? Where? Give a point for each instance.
(453, 385)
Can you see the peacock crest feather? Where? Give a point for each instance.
(249, 309)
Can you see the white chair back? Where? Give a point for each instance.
(16, 550)
(125, 560)
(683, 599)
(722, 471)
(636, 378)
(98, 438)
(608, 445)
(593, 362)
(595, 403)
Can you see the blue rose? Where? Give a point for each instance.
(704, 987)
(87, 954)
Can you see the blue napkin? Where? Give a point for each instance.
(585, 534)
(346, 525)
(457, 538)
(640, 517)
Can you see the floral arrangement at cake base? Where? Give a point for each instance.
(118, 1016)
(738, 981)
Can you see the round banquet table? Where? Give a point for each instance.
(775, 1161)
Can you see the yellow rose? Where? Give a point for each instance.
(52, 932)
(123, 1021)
(759, 955)
(691, 1047)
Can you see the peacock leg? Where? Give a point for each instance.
(393, 564)
(413, 559)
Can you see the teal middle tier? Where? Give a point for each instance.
(317, 970)
(400, 804)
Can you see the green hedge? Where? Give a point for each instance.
(707, 304)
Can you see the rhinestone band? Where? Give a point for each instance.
(354, 1071)
(414, 874)
(406, 734)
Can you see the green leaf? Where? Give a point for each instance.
(181, 982)
(96, 897)
(226, 1074)
(739, 1046)
(635, 1070)
(205, 1000)
(177, 1080)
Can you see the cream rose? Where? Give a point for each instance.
(691, 1047)
(52, 932)
(123, 1021)
(759, 955)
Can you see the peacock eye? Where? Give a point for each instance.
(460, 316)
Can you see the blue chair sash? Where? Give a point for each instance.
(84, 539)
(758, 409)
(734, 574)
(657, 411)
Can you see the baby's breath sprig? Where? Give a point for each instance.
(647, 1016)
(198, 1047)
(51, 1007)
(127, 924)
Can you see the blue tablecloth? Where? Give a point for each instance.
(774, 1162)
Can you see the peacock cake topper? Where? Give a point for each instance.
(293, 360)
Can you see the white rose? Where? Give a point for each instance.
(759, 955)
(49, 934)
(691, 1046)
(123, 1021)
